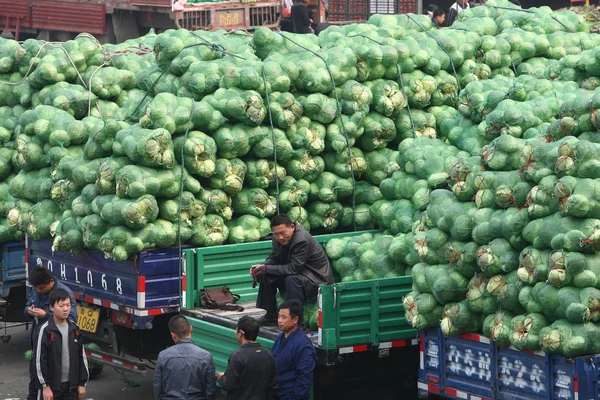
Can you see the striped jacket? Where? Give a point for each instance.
(48, 357)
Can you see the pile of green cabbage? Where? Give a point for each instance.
(473, 149)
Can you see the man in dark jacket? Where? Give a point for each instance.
(454, 10)
(295, 355)
(184, 371)
(297, 265)
(250, 372)
(38, 311)
(300, 18)
(61, 363)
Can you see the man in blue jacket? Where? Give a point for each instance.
(37, 310)
(295, 355)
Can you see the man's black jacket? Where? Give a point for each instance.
(250, 374)
(302, 256)
(48, 357)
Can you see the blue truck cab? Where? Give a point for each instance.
(124, 305)
(12, 282)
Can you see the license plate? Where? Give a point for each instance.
(88, 318)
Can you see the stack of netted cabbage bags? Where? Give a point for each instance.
(508, 249)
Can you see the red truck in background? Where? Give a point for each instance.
(118, 20)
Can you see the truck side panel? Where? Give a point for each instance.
(69, 16)
(473, 367)
(149, 281)
(366, 312)
(13, 267)
(361, 10)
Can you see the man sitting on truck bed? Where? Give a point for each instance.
(297, 265)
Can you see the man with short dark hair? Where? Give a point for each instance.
(297, 265)
(38, 311)
(250, 372)
(438, 18)
(184, 371)
(295, 355)
(61, 364)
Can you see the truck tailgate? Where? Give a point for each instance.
(150, 280)
(473, 367)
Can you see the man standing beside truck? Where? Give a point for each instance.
(250, 372)
(295, 355)
(297, 266)
(184, 371)
(38, 311)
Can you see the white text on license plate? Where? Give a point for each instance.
(87, 318)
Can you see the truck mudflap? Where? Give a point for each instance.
(472, 367)
(111, 360)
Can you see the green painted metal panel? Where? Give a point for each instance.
(218, 340)
(353, 313)
(367, 312)
(217, 266)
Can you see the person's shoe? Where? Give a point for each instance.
(267, 319)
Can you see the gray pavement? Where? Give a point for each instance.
(14, 375)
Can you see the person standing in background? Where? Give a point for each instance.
(430, 9)
(295, 355)
(300, 18)
(455, 9)
(38, 311)
(250, 372)
(184, 371)
(439, 16)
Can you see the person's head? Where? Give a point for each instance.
(41, 279)
(283, 229)
(430, 9)
(60, 304)
(462, 3)
(247, 329)
(439, 16)
(180, 328)
(289, 316)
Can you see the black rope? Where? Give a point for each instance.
(343, 126)
(458, 88)
(272, 138)
(215, 47)
(412, 124)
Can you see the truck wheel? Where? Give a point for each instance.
(94, 368)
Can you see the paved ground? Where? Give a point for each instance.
(14, 375)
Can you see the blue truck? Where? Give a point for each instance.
(12, 284)
(123, 306)
(471, 367)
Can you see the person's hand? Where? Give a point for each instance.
(36, 312)
(81, 392)
(48, 395)
(255, 266)
(31, 310)
(220, 375)
(257, 271)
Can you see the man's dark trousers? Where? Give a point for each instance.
(292, 285)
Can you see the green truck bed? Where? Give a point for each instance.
(354, 316)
